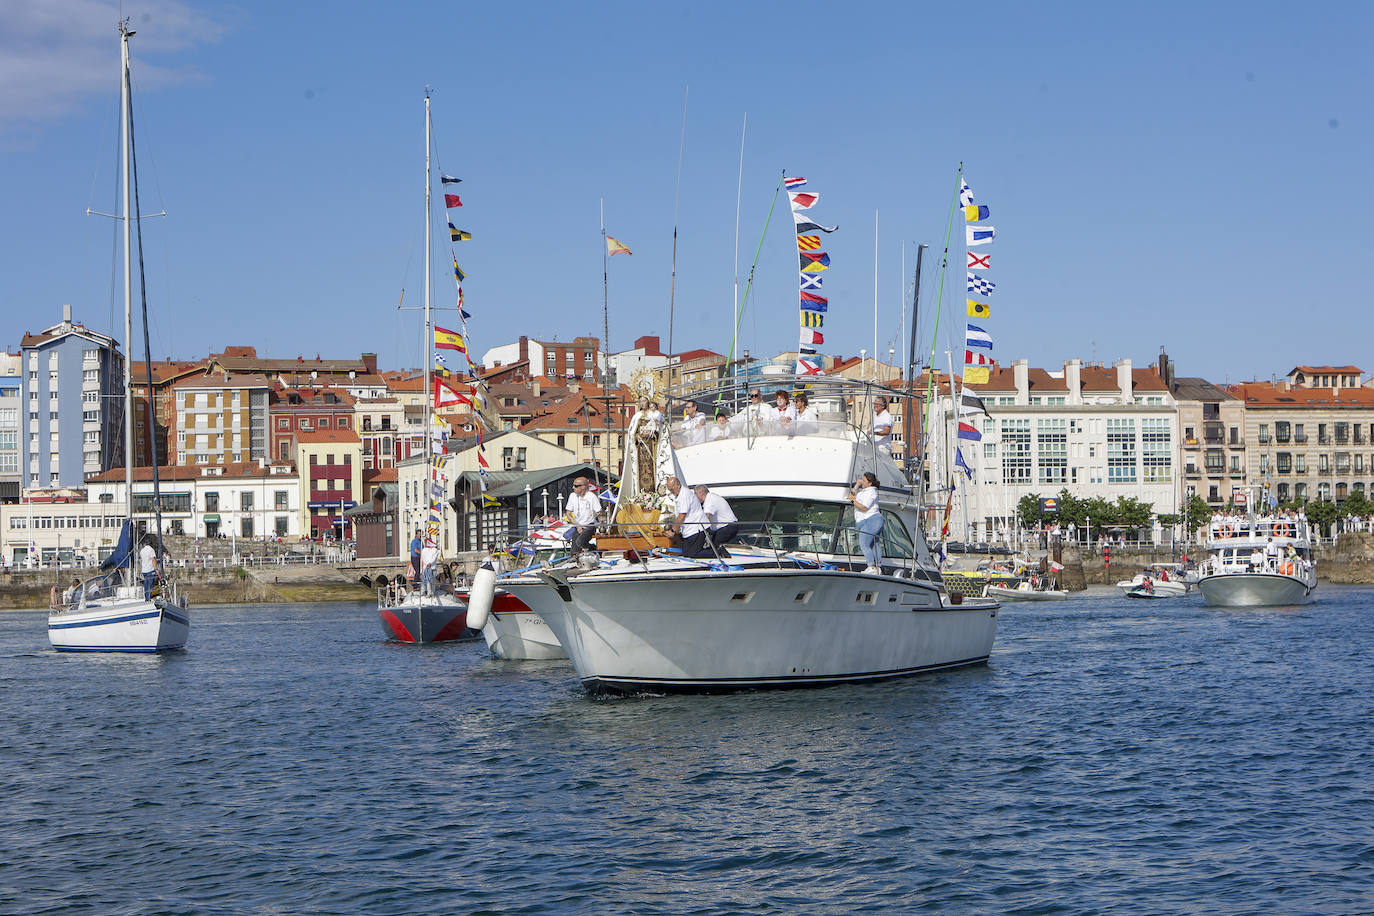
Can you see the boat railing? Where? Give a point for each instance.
(115, 585)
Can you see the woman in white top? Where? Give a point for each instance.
(882, 423)
(808, 421)
(784, 413)
(868, 520)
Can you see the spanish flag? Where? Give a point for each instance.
(812, 320)
(978, 309)
(445, 339)
(976, 212)
(615, 247)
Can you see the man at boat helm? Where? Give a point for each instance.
(584, 508)
(690, 523)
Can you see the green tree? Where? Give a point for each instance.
(1169, 521)
(1100, 511)
(1133, 513)
(1071, 509)
(1322, 514)
(1197, 512)
(1356, 504)
(1028, 507)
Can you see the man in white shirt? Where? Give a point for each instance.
(584, 508)
(692, 428)
(882, 423)
(690, 522)
(724, 527)
(752, 417)
(149, 566)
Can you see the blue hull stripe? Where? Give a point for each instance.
(104, 621)
(114, 649)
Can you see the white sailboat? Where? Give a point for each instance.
(113, 612)
(418, 612)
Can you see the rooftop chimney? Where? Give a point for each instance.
(66, 314)
(1073, 380)
(1020, 372)
(1123, 380)
(524, 349)
(370, 362)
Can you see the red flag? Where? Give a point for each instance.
(482, 461)
(451, 200)
(812, 297)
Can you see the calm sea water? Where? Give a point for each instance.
(1115, 756)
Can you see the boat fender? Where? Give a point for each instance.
(480, 595)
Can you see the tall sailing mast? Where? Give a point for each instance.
(124, 152)
(429, 326)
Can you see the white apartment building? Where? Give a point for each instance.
(248, 500)
(1089, 429)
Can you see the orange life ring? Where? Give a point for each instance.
(1226, 531)
(1283, 530)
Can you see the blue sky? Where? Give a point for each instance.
(1192, 176)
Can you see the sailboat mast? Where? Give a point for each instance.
(124, 126)
(429, 328)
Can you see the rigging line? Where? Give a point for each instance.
(677, 193)
(940, 297)
(749, 284)
(739, 188)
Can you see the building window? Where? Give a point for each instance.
(1216, 461)
(1121, 467)
(246, 501)
(281, 526)
(283, 423)
(90, 375)
(1284, 462)
(246, 527)
(1016, 451)
(1299, 464)
(1282, 432)
(211, 502)
(1052, 451)
(1156, 451)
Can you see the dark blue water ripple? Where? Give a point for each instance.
(1169, 758)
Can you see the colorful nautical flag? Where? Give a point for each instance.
(615, 247)
(805, 224)
(449, 340)
(458, 271)
(444, 396)
(802, 200)
(976, 359)
(969, 431)
(961, 464)
(458, 235)
(965, 194)
(978, 309)
(813, 257)
(809, 366)
(976, 375)
(808, 242)
(814, 267)
(449, 179)
(977, 337)
(806, 349)
(970, 403)
(979, 235)
(812, 320)
(451, 201)
(975, 212)
(983, 261)
(981, 285)
(813, 302)
(812, 338)
(489, 501)
(793, 184)
(811, 281)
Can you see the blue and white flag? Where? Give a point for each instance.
(977, 337)
(810, 281)
(965, 194)
(961, 464)
(977, 284)
(979, 235)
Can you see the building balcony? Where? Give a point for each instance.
(1264, 440)
(1300, 437)
(1192, 472)
(1342, 440)
(1191, 444)
(1358, 440)
(1323, 472)
(1236, 443)
(1323, 440)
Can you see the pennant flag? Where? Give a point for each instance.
(449, 179)
(976, 359)
(970, 403)
(458, 235)
(808, 242)
(979, 235)
(813, 302)
(489, 501)
(482, 461)
(458, 271)
(814, 267)
(793, 184)
(976, 375)
(961, 464)
(978, 309)
(444, 396)
(983, 261)
(449, 340)
(809, 367)
(804, 223)
(615, 247)
(812, 338)
(806, 349)
(436, 491)
(977, 337)
(812, 320)
(802, 200)
(968, 431)
(965, 194)
(975, 212)
(977, 284)
(811, 281)
(451, 201)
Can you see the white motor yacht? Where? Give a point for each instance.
(1257, 561)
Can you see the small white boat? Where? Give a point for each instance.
(516, 631)
(1172, 586)
(1144, 591)
(1026, 591)
(1259, 561)
(105, 615)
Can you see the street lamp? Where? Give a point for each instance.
(527, 508)
(545, 496)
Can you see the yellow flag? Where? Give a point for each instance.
(978, 309)
(976, 375)
(615, 247)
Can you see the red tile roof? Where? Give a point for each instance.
(327, 435)
(1268, 395)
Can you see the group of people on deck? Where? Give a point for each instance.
(788, 415)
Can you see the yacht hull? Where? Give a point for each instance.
(516, 631)
(434, 619)
(120, 626)
(1255, 589)
(708, 631)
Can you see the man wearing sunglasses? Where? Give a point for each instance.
(584, 507)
